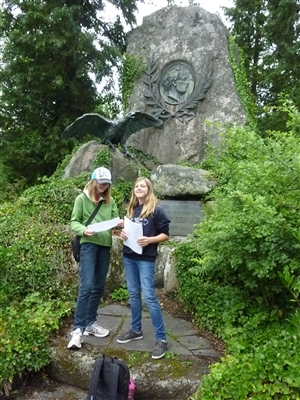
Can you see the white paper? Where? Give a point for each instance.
(133, 232)
(104, 225)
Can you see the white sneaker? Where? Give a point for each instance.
(76, 340)
(96, 330)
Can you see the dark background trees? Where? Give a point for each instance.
(49, 50)
(268, 34)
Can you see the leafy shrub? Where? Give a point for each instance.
(121, 193)
(249, 233)
(119, 295)
(264, 368)
(241, 267)
(215, 306)
(25, 328)
(38, 285)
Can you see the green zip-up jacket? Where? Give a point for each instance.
(82, 210)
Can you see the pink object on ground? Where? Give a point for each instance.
(131, 390)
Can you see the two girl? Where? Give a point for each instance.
(143, 209)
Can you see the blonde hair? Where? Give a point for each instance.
(150, 201)
(92, 191)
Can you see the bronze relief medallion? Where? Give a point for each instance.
(177, 82)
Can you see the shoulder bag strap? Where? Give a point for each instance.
(94, 378)
(114, 381)
(94, 212)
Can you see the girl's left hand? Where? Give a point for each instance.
(143, 241)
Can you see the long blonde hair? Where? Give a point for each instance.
(92, 191)
(150, 201)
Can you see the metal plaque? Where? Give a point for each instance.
(183, 215)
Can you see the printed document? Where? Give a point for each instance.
(104, 225)
(133, 232)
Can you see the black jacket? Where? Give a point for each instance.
(153, 225)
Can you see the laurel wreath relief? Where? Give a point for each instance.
(157, 102)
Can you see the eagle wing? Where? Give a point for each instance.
(88, 124)
(136, 121)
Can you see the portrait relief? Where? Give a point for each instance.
(177, 82)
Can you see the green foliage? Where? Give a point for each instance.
(9, 189)
(34, 262)
(270, 54)
(121, 193)
(132, 69)
(242, 84)
(53, 198)
(103, 158)
(239, 272)
(25, 329)
(214, 306)
(263, 363)
(291, 281)
(135, 357)
(250, 233)
(38, 243)
(37, 281)
(171, 355)
(119, 295)
(46, 76)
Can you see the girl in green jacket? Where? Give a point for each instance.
(94, 254)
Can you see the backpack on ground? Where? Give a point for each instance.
(110, 380)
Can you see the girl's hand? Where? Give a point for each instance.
(123, 235)
(88, 232)
(144, 241)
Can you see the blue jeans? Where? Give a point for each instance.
(94, 263)
(140, 278)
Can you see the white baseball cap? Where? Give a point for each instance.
(102, 175)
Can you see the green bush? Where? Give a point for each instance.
(37, 285)
(25, 328)
(249, 234)
(264, 364)
(119, 295)
(241, 267)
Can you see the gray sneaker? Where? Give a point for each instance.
(129, 336)
(96, 330)
(159, 349)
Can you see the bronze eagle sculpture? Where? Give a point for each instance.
(111, 133)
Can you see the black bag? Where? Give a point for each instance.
(109, 380)
(75, 242)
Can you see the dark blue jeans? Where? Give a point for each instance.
(140, 277)
(94, 263)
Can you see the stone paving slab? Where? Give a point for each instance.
(194, 342)
(178, 326)
(207, 353)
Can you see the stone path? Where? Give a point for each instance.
(182, 337)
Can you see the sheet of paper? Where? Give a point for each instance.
(104, 225)
(133, 232)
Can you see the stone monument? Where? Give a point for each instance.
(188, 80)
